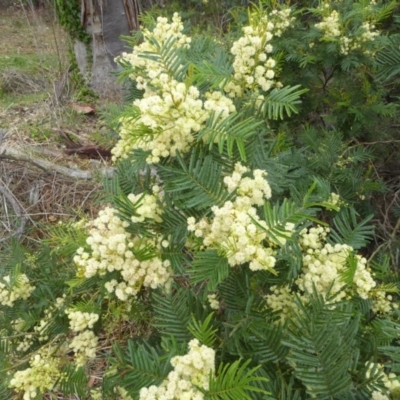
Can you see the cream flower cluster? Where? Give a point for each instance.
(80, 321)
(24, 341)
(331, 28)
(158, 112)
(368, 34)
(281, 301)
(84, 346)
(148, 70)
(123, 393)
(253, 66)
(20, 289)
(213, 301)
(391, 382)
(234, 230)
(41, 328)
(281, 19)
(379, 396)
(112, 248)
(334, 199)
(41, 376)
(220, 104)
(96, 394)
(382, 303)
(323, 266)
(148, 207)
(173, 115)
(330, 25)
(313, 238)
(190, 371)
(170, 112)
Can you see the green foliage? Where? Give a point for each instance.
(200, 16)
(249, 253)
(196, 185)
(281, 100)
(140, 366)
(229, 133)
(69, 16)
(322, 358)
(213, 269)
(75, 382)
(388, 60)
(356, 235)
(233, 382)
(202, 330)
(172, 314)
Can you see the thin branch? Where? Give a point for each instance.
(18, 210)
(8, 156)
(370, 144)
(49, 167)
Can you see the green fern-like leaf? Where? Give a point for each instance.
(349, 231)
(281, 101)
(292, 259)
(234, 381)
(393, 352)
(196, 185)
(386, 10)
(212, 67)
(75, 381)
(347, 275)
(65, 239)
(321, 343)
(279, 215)
(172, 314)
(234, 130)
(279, 386)
(389, 62)
(235, 291)
(140, 366)
(265, 342)
(209, 267)
(204, 331)
(5, 392)
(169, 57)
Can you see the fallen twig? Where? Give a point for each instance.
(49, 167)
(18, 210)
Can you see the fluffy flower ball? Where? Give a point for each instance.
(112, 248)
(41, 376)
(235, 228)
(190, 370)
(11, 292)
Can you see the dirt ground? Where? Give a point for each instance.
(40, 116)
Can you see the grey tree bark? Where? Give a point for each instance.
(105, 21)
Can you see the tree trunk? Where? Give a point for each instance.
(105, 21)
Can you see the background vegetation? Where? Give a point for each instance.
(325, 133)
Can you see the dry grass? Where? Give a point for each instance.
(14, 81)
(36, 197)
(34, 111)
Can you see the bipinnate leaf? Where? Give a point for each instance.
(234, 381)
